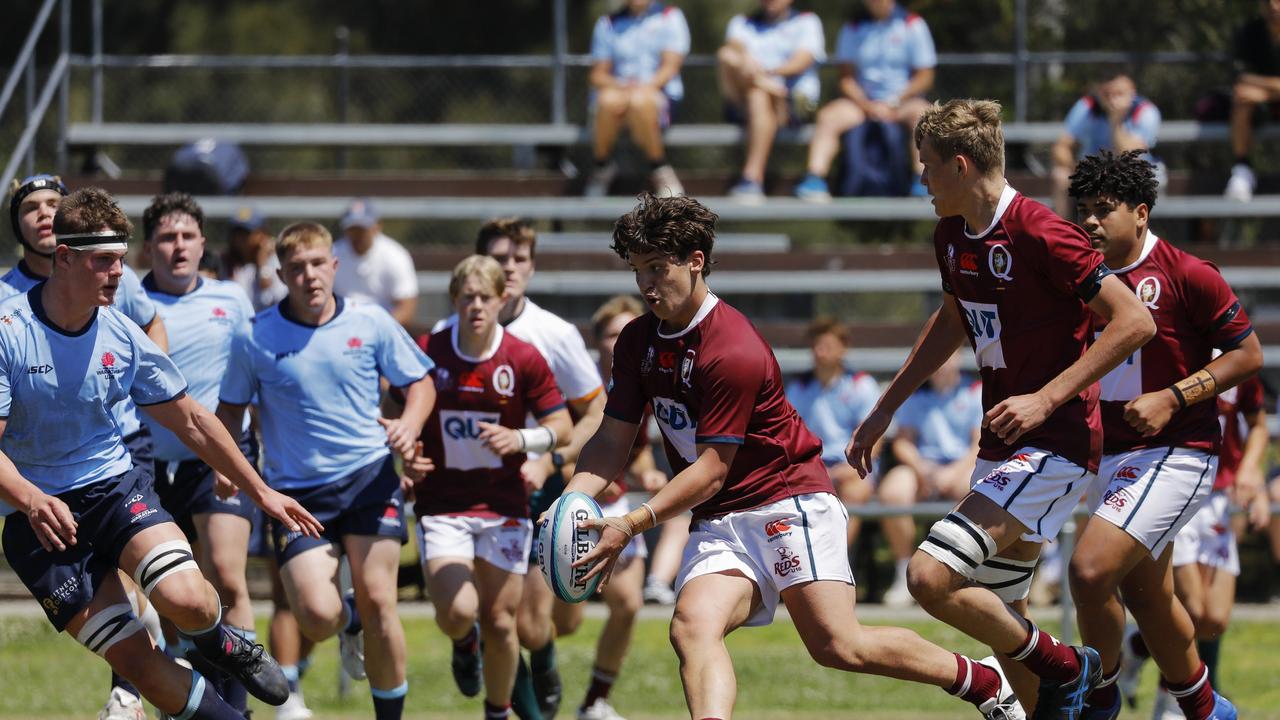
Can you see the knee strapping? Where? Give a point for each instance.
(164, 560)
(1009, 579)
(107, 627)
(959, 543)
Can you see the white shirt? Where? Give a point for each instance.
(383, 275)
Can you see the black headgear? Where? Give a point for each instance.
(20, 191)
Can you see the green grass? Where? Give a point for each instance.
(49, 676)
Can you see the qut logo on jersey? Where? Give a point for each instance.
(460, 434)
(464, 426)
(673, 416)
(677, 425)
(983, 320)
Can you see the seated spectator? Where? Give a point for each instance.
(769, 77)
(832, 401)
(1113, 117)
(1257, 55)
(636, 55)
(887, 62)
(372, 267)
(250, 259)
(936, 446)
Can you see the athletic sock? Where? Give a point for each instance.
(1139, 646)
(1043, 655)
(524, 701)
(212, 641)
(118, 681)
(975, 682)
(900, 570)
(1107, 692)
(496, 712)
(303, 665)
(469, 643)
(389, 704)
(205, 704)
(655, 164)
(543, 660)
(353, 625)
(601, 683)
(291, 675)
(1208, 650)
(234, 691)
(1195, 696)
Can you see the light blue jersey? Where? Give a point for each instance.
(884, 53)
(200, 324)
(57, 391)
(317, 388)
(633, 45)
(833, 411)
(1088, 124)
(943, 423)
(772, 44)
(7, 291)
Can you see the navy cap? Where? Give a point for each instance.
(247, 218)
(361, 213)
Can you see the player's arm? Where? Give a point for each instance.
(1149, 413)
(403, 309)
(941, 337)
(799, 61)
(907, 453)
(920, 83)
(1129, 327)
(603, 457)
(209, 439)
(668, 67)
(50, 518)
(644, 470)
(1064, 151)
(589, 412)
(402, 431)
(157, 332)
(551, 432)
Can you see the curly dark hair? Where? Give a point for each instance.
(89, 210)
(174, 202)
(674, 226)
(1128, 178)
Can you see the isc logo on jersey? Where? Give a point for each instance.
(984, 324)
(463, 450)
(677, 425)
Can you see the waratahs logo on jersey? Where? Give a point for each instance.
(109, 366)
(355, 346)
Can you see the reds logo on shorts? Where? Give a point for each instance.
(788, 563)
(1115, 499)
(998, 479)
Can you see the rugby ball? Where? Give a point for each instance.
(561, 543)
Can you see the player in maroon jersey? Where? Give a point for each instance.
(766, 522)
(1160, 428)
(473, 505)
(1019, 284)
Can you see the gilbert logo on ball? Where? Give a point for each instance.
(561, 543)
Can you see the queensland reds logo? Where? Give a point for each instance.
(1000, 262)
(1148, 291)
(504, 381)
(646, 365)
(686, 367)
(951, 257)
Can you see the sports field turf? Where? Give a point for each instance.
(46, 675)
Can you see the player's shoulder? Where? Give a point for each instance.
(1179, 262)
(15, 313)
(729, 331)
(519, 350)
(542, 322)
(1029, 217)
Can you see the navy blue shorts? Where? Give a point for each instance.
(140, 449)
(366, 502)
(190, 490)
(108, 514)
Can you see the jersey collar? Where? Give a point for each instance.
(29, 273)
(1148, 245)
(708, 304)
(288, 314)
(36, 299)
(1006, 199)
(489, 352)
(149, 284)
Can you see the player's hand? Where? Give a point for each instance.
(860, 450)
(653, 480)
(291, 513)
(535, 471)
(52, 521)
(615, 533)
(882, 111)
(224, 488)
(399, 435)
(416, 464)
(501, 440)
(1013, 417)
(1250, 493)
(1150, 412)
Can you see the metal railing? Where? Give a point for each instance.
(24, 70)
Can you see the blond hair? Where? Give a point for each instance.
(965, 127)
(612, 308)
(479, 266)
(302, 235)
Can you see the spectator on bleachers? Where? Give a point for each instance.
(769, 77)
(936, 446)
(372, 267)
(887, 61)
(832, 400)
(636, 54)
(250, 259)
(1257, 88)
(1113, 117)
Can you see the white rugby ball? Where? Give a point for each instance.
(561, 543)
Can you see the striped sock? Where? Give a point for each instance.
(389, 704)
(1043, 655)
(975, 682)
(1195, 696)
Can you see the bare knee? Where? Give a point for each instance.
(1091, 583)
(611, 101)
(839, 654)
(898, 486)
(567, 623)
(498, 622)
(187, 599)
(533, 630)
(688, 631)
(929, 581)
(318, 617)
(729, 57)
(1211, 624)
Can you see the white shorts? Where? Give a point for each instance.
(636, 548)
(792, 541)
(1151, 493)
(1207, 539)
(1038, 488)
(502, 542)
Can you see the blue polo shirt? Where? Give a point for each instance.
(943, 422)
(832, 412)
(634, 44)
(884, 53)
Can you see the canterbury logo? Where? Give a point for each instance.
(776, 527)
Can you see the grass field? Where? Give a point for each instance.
(44, 675)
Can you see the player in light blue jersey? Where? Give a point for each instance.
(311, 365)
(201, 315)
(84, 507)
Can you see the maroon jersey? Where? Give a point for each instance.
(1235, 406)
(511, 381)
(717, 381)
(1021, 286)
(1195, 311)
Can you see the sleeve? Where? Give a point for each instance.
(1213, 306)
(1077, 119)
(1070, 262)
(404, 277)
(847, 45)
(6, 390)
(542, 397)
(730, 386)
(923, 54)
(737, 29)
(133, 301)
(811, 37)
(1250, 396)
(943, 273)
(601, 41)
(245, 307)
(156, 379)
(574, 370)
(240, 383)
(400, 360)
(626, 399)
(677, 40)
(1146, 123)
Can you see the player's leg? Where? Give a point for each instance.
(834, 119)
(1220, 598)
(852, 489)
(762, 127)
(375, 565)
(499, 596)
(288, 645)
(536, 633)
(709, 608)
(223, 554)
(644, 120)
(899, 487)
(732, 76)
(664, 562)
(909, 113)
(447, 547)
(624, 598)
(1273, 529)
(610, 111)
